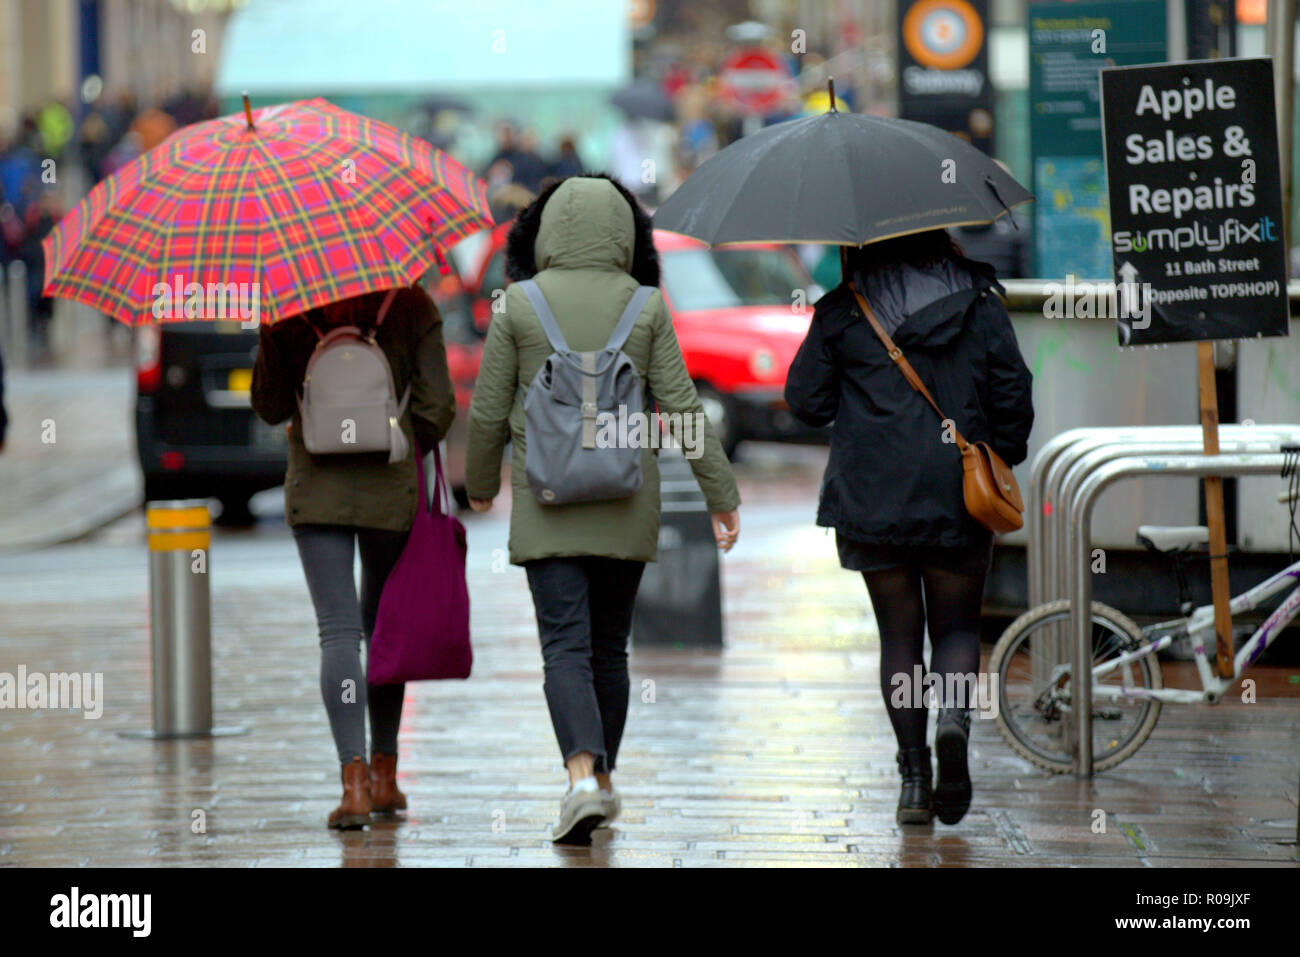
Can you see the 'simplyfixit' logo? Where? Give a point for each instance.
(1231, 232)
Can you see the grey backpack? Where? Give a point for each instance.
(348, 402)
(570, 393)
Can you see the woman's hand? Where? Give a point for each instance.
(726, 528)
(480, 504)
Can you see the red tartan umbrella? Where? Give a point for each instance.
(296, 205)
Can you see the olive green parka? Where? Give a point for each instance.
(583, 252)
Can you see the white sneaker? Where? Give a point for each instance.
(612, 803)
(580, 813)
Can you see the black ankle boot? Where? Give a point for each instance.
(915, 801)
(952, 793)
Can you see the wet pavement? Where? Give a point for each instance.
(775, 750)
(69, 461)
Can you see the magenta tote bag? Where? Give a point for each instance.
(422, 628)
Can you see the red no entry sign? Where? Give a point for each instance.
(754, 80)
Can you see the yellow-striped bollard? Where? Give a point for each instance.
(180, 534)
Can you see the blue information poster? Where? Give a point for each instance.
(1069, 45)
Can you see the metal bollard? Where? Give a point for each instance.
(180, 534)
(679, 602)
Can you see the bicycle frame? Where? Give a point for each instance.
(1200, 627)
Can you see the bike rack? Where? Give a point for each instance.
(1067, 470)
(1036, 520)
(1062, 466)
(1080, 528)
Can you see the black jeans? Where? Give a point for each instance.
(584, 615)
(343, 620)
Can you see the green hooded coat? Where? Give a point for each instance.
(583, 251)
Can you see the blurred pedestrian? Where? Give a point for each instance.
(893, 484)
(93, 144)
(152, 126)
(699, 137)
(42, 216)
(508, 199)
(338, 504)
(507, 153)
(589, 245)
(529, 167)
(641, 158)
(567, 163)
(55, 126)
(127, 149)
(20, 172)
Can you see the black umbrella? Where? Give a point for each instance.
(644, 99)
(446, 104)
(842, 178)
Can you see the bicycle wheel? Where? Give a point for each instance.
(1034, 711)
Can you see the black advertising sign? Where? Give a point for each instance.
(1195, 201)
(943, 67)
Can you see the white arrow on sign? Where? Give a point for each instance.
(1128, 289)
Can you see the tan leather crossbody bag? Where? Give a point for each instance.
(988, 485)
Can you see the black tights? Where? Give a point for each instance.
(949, 603)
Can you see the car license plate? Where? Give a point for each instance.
(240, 380)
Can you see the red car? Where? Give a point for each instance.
(740, 313)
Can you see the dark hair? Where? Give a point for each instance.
(520, 260)
(915, 249)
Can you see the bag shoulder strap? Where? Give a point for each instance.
(383, 309)
(901, 362)
(544, 315)
(630, 315)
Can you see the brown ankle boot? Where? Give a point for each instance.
(354, 810)
(384, 795)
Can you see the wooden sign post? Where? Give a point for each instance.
(1214, 515)
(1196, 219)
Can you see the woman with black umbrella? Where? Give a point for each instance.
(893, 485)
(885, 190)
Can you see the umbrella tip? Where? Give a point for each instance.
(830, 88)
(248, 110)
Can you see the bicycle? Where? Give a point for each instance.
(1034, 713)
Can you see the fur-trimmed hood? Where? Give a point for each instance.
(587, 221)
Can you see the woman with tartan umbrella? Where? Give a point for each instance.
(310, 208)
(334, 503)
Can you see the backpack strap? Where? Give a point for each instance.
(383, 309)
(544, 315)
(630, 315)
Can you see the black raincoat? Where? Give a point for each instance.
(894, 474)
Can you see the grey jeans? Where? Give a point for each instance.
(584, 616)
(343, 619)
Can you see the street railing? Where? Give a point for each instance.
(1032, 295)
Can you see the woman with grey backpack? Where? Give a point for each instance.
(362, 381)
(581, 342)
